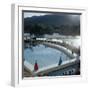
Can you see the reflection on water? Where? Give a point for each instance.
(45, 56)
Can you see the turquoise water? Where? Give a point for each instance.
(44, 56)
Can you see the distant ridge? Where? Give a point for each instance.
(53, 19)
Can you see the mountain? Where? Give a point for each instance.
(53, 19)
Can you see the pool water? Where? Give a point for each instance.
(45, 56)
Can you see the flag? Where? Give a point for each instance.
(35, 66)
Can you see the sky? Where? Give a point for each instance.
(28, 14)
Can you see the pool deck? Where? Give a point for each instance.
(61, 48)
(58, 67)
(28, 69)
(51, 68)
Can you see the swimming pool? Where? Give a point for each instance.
(45, 56)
